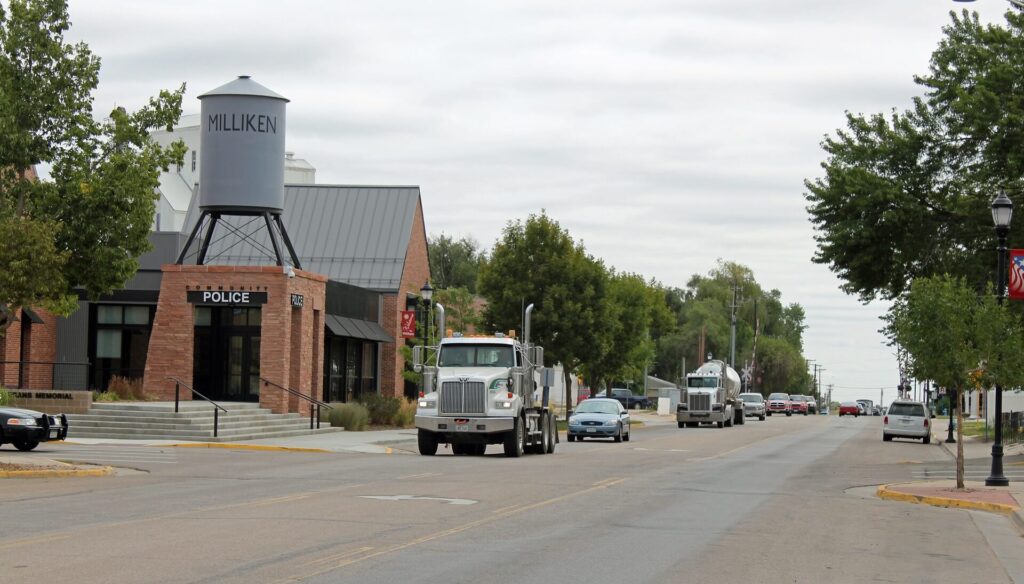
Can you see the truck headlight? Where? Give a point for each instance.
(503, 405)
(499, 384)
(427, 404)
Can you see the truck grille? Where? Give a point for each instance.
(463, 397)
(700, 402)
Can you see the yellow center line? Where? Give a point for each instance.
(503, 509)
(340, 556)
(32, 540)
(458, 529)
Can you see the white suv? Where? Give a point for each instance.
(906, 419)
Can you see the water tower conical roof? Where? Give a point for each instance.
(244, 85)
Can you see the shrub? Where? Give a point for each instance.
(405, 417)
(382, 409)
(5, 397)
(126, 388)
(104, 396)
(352, 417)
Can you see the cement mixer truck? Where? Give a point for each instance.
(711, 396)
(480, 390)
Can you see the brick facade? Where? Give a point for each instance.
(290, 353)
(40, 355)
(415, 273)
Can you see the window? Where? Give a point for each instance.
(108, 344)
(702, 382)
(476, 356)
(907, 410)
(193, 161)
(119, 342)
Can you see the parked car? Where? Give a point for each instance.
(628, 399)
(25, 429)
(849, 409)
(798, 404)
(778, 403)
(754, 405)
(906, 419)
(876, 411)
(599, 418)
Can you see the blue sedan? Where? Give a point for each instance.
(599, 418)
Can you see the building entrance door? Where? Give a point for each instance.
(226, 364)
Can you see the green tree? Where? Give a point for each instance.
(626, 338)
(85, 227)
(460, 308)
(949, 332)
(907, 195)
(537, 261)
(781, 367)
(454, 263)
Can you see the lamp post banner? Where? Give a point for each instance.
(408, 323)
(1016, 279)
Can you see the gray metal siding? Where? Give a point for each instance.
(73, 347)
(352, 234)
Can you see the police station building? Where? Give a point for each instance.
(260, 285)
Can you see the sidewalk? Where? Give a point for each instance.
(943, 493)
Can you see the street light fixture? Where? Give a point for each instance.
(1002, 212)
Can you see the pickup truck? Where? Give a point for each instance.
(628, 399)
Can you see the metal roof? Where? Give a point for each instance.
(352, 234)
(245, 86)
(343, 326)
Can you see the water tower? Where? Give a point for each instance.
(241, 146)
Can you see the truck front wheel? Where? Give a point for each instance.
(514, 440)
(427, 442)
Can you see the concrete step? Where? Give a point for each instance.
(169, 406)
(208, 438)
(190, 425)
(182, 418)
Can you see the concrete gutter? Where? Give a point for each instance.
(892, 493)
(236, 446)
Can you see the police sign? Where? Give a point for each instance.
(227, 297)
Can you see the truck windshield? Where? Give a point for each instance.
(476, 356)
(751, 397)
(702, 382)
(779, 396)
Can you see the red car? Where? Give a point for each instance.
(798, 405)
(849, 408)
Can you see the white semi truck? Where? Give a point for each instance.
(711, 396)
(479, 390)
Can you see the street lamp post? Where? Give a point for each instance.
(1002, 212)
(427, 292)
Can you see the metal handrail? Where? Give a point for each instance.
(217, 408)
(313, 402)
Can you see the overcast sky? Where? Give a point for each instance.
(664, 134)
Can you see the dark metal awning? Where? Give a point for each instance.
(357, 329)
(32, 316)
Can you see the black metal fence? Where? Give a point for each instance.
(1013, 433)
(44, 375)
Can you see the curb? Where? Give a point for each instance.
(232, 446)
(884, 492)
(51, 473)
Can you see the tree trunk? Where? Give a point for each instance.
(959, 443)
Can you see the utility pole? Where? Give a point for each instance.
(829, 398)
(732, 340)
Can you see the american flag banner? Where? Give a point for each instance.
(1016, 281)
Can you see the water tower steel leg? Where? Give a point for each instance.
(206, 240)
(288, 243)
(273, 239)
(191, 238)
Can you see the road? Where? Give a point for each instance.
(772, 501)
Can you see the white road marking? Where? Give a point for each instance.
(419, 498)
